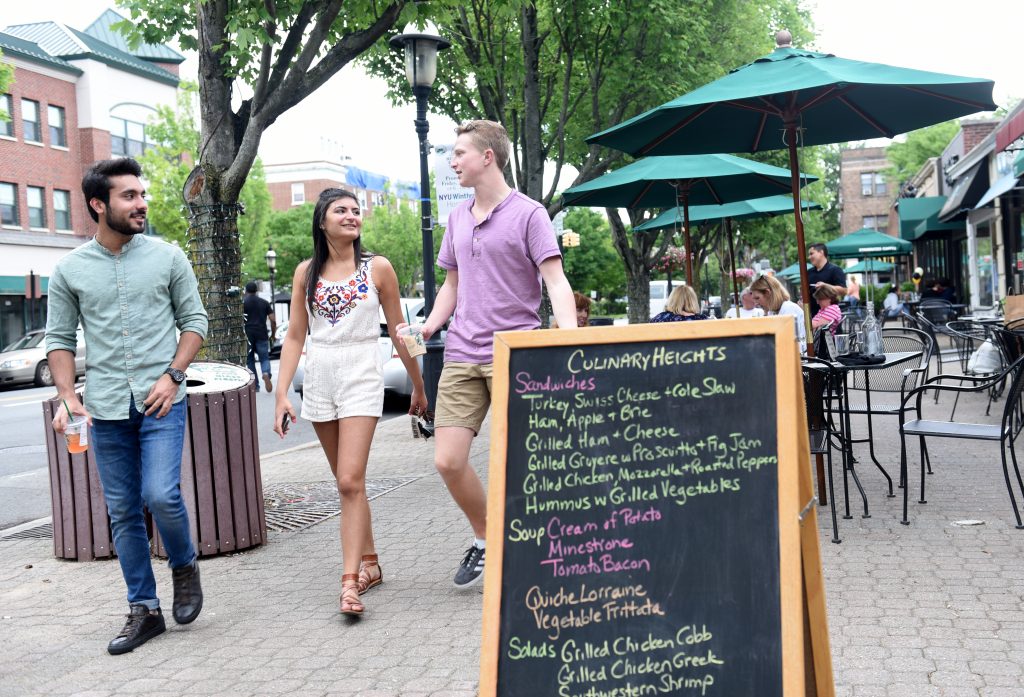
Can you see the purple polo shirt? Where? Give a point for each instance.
(499, 282)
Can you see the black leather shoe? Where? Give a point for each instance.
(188, 594)
(143, 624)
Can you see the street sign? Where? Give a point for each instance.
(449, 192)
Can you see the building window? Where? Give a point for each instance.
(55, 117)
(9, 204)
(62, 209)
(36, 209)
(127, 138)
(872, 184)
(6, 125)
(876, 222)
(30, 121)
(298, 193)
(378, 198)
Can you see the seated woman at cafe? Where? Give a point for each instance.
(774, 300)
(891, 306)
(829, 314)
(682, 306)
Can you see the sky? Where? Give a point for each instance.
(351, 115)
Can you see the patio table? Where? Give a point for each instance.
(892, 358)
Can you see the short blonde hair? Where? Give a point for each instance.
(772, 288)
(683, 299)
(488, 135)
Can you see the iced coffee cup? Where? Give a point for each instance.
(412, 335)
(76, 433)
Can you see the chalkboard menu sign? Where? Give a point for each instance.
(643, 514)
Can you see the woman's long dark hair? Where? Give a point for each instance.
(321, 248)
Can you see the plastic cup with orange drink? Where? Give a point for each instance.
(76, 433)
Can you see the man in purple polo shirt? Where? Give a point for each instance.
(497, 247)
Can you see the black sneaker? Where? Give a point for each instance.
(471, 570)
(143, 624)
(188, 594)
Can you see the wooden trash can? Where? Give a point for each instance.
(220, 464)
(81, 528)
(220, 473)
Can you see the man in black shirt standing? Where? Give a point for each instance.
(257, 312)
(824, 272)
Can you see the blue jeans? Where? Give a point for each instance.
(139, 462)
(261, 348)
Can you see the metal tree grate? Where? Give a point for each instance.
(38, 532)
(295, 506)
(289, 507)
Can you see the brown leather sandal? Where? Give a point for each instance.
(350, 603)
(366, 581)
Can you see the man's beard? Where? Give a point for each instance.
(122, 226)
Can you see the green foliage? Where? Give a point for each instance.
(6, 78)
(396, 234)
(167, 166)
(909, 156)
(290, 232)
(907, 287)
(594, 265)
(774, 238)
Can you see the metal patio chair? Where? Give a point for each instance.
(1005, 432)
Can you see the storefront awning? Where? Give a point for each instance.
(15, 285)
(966, 193)
(1010, 130)
(1002, 185)
(919, 216)
(1018, 164)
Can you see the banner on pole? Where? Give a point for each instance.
(449, 192)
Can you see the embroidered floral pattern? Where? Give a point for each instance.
(332, 301)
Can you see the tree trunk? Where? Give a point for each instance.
(634, 249)
(532, 183)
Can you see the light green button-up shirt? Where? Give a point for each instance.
(128, 305)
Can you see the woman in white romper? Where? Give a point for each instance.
(342, 288)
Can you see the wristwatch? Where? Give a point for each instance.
(177, 375)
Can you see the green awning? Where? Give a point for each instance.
(921, 215)
(15, 285)
(1018, 163)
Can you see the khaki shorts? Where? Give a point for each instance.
(463, 395)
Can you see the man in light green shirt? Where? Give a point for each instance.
(128, 292)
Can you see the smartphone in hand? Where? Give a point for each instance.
(285, 423)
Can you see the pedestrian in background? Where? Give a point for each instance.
(748, 308)
(129, 292)
(583, 304)
(257, 312)
(343, 288)
(682, 306)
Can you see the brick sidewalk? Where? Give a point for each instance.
(926, 610)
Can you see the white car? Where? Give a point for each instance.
(24, 361)
(396, 378)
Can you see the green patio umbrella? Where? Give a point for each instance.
(868, 243)
(794, 97)
(870, 266)
(740, 210)
(792, 272)
(681, 180)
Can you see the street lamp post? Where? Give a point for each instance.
(421, 46)
(271, 257)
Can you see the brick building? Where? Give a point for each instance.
(77, 97)
(295, 183)
(865, 193)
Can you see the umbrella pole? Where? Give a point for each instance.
(801, 247)
(732, 263)
(686, 235)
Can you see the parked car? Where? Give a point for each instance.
(396, 378)
(275, 345)
(24, 361)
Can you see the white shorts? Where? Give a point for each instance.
(342, 381)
